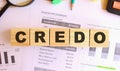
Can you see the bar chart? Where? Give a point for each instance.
(92, 51)
(6, 58)
(98, 59)
(117, 52)
(105, 52)
(101, 59)
(10, 59)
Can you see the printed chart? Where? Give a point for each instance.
(10, 59)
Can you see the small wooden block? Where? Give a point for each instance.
(84, 43)
(99, 38)
(20, 37)
(63, 39)
(36, 36)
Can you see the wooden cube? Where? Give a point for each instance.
(59, 37)
(99, 38)
(79, 37)
(20, 37)
(39, 36)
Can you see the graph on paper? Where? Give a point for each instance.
(6, 61)
(10, 59)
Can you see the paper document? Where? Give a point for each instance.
(10, 59)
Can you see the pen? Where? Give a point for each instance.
(72, 3)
